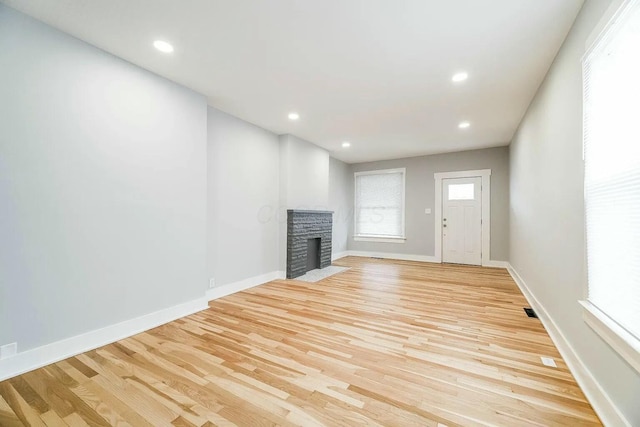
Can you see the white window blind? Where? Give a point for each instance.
(379, 199)
(612, 170)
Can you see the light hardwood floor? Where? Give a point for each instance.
(383, 343)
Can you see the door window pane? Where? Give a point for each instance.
(461, 191)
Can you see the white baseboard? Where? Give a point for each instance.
(337, 255)
(63, 349)
(388, 255)
(241, 285)
(597, 396)
(496, 264)
(407, 257)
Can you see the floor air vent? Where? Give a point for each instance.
(530, 312)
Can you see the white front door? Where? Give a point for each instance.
(462, 220)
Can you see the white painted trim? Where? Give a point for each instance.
(462, 174)
(625, 344)
(615, 10)
(63, 349)
(409, 257)
(403, 171)
(380, 171)
(597, 396)
(387, 255)
(496, 264)
(379, 239)
(241, 285)
(485, 174)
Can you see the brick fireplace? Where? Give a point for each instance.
(308, 241)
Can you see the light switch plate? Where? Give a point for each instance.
(548, 361)
(427, 211)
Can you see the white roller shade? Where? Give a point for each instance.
(380, 204)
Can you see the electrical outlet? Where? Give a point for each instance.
(8, 350)
(548, 361)
(212, 283)
(427, 211)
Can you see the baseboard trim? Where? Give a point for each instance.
(69, 347)
(387, 255)
(241, 285)
(496, 264)
(608, 412)
(408, 257)
(338, 255)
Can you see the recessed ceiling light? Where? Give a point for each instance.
(346, 144)
(459, 77)
(163, 46)
(464, 125)
(294, 116)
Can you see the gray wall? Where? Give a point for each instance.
(340, 202)
(547, 212)
(420, 194)
(102, 185)
(243, 197)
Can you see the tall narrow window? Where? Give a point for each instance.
(379, 200)
(612, 180)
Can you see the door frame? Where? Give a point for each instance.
(485, 213)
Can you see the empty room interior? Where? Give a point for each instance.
(319, 213)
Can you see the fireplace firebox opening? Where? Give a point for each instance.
(313, 253)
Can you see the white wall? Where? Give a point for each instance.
(340, 202)
(243, 199)
(304, 173)
(547, 212)
(420, 194)
(254, 176)
(102, 185)
(304, 182)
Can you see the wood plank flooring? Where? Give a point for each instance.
(385, 343)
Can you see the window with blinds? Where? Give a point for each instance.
(611, 71)
(379, 203)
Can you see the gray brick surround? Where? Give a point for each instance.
(301, 226)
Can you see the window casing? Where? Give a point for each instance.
(611, 70)
(379, 205)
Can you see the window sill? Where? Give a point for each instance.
(379, 239)
(625, 344)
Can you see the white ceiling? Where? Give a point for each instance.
(374, 72)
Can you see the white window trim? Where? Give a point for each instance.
(380, 239)
(610, 16)
(618, 338)
(485, 174)
(625, 344)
